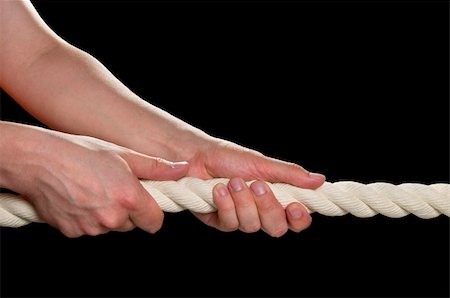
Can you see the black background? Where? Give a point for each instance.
(355, 90)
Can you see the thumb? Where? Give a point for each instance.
(286, 172)
(154, 168)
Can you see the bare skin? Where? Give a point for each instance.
(90, 188)
(61, 85)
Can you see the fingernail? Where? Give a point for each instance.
(296, 213)
(316, 176)
(222, 190)
(179, 164)
(236, 184)
(258, 188)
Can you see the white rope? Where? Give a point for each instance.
(331, 199)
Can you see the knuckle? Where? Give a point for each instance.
(92, 231)
(149, 219)
(115, 154)
(67, 229)
(156, 226)
(295, 166)
(155, 223)
(244, 202)
(126, 228)
(71, 234)
(111, 221)
(279, 231)
(303, 225)
(128, 199)
(231, 225)
(227, 209)
(268, 206)
(251, 228)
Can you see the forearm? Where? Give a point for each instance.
(77, 94)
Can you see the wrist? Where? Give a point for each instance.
(19, 154)
(10, 152)
(173, 140)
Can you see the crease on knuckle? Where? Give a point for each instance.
(244, 202)
(110, 221)
(156, 226)
(92, 231)
(279, 231)
(71, 234)
(227, 209)
(268, 206)
(251, 228)
(128, 199)
(67, 229)
(232, 225)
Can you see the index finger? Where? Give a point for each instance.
(147, 215)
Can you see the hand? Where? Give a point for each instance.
(75, 187)
(82, 185)
(250, 208)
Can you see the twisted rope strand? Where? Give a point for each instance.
(331, 199)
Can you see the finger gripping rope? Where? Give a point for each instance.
(331, 199)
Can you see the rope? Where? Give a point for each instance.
(331, 199)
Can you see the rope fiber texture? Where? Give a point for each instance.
(331, 199)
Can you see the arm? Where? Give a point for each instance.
(63, 86)
(69, 90)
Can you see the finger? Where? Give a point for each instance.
(274, 170)
(127, 226)
(271, 213)
(227, 217)
(146, 215)
(246, 210)
(210, 219)
(298, 217)
(89, 226)
(59, 220)
(148, 167)
(70, 230)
